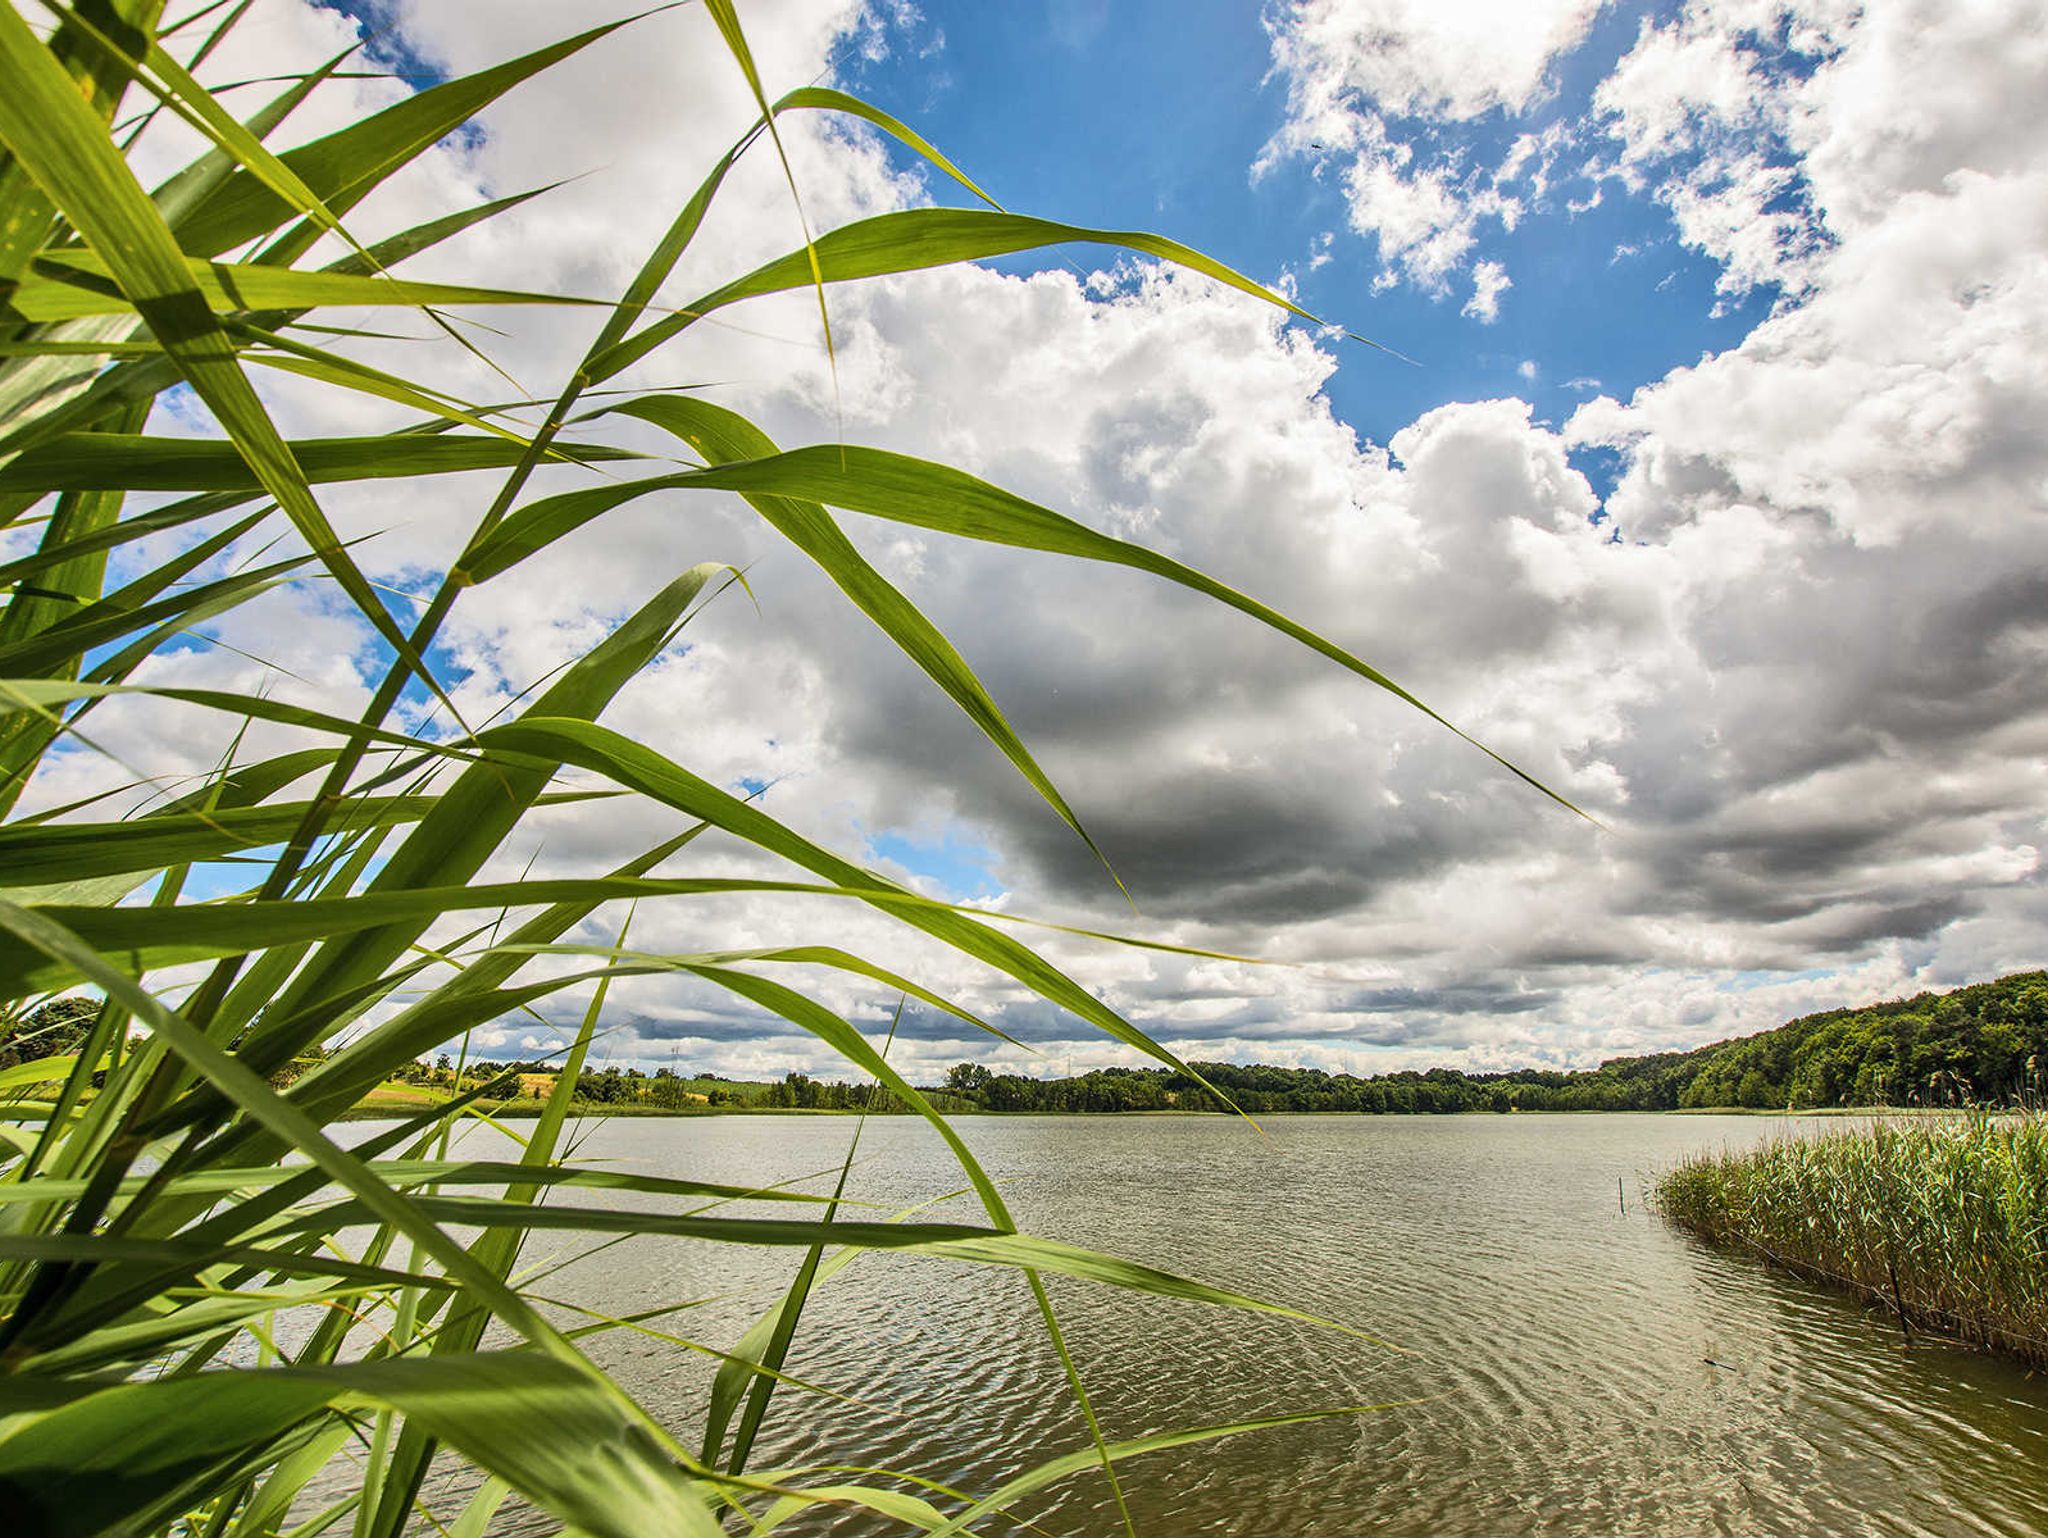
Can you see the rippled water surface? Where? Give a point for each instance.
(1580, 1370)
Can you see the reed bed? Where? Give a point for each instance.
(1942, 1223)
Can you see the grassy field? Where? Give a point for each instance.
(1942, 1222)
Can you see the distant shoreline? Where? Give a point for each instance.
(529, 1110)
(1983, 1044)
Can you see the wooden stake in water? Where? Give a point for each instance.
(1621, 1195)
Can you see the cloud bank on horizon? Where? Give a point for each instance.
(1774, 610)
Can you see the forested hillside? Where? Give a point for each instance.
(1987, 1043)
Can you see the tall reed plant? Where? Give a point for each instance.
(164, 1203)
(1942, 1222)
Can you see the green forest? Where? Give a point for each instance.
(1986, 1044)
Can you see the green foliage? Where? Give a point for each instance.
(172, 1192)
(968, 1078)
(55, 1029)
(1944, 1224)
(1984, 1044)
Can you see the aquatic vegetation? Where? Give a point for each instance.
(1943, 1221)
(207, 1298)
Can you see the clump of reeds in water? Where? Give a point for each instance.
(1943, 1223)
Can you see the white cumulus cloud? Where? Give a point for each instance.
(1352, 65)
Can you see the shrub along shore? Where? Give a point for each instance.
(1942, 1223)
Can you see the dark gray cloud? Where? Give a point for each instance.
(1483, 998)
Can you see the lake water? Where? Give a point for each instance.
(1582, 1370)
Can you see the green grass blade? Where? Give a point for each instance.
(497, 1251)
(727, 20)
(63, 146)
(911, 240)
(534, 1421)
(402, 1173)
(948, 1241)
(73, 580)
(25, 211)
(636, 767)
(254, 1098)
(488, 799)
(344, 167)
(912, 491)
(76, 284)
(722, 436)
(343, 1078)
(131, 462)
(825, 99)
(74, 851)
(58, 650)
(190, 187)
(793, 955)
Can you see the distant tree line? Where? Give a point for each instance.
(609, 1086)
(664, 1089)
(1984, 1044)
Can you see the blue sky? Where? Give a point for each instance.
(1152, 115)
